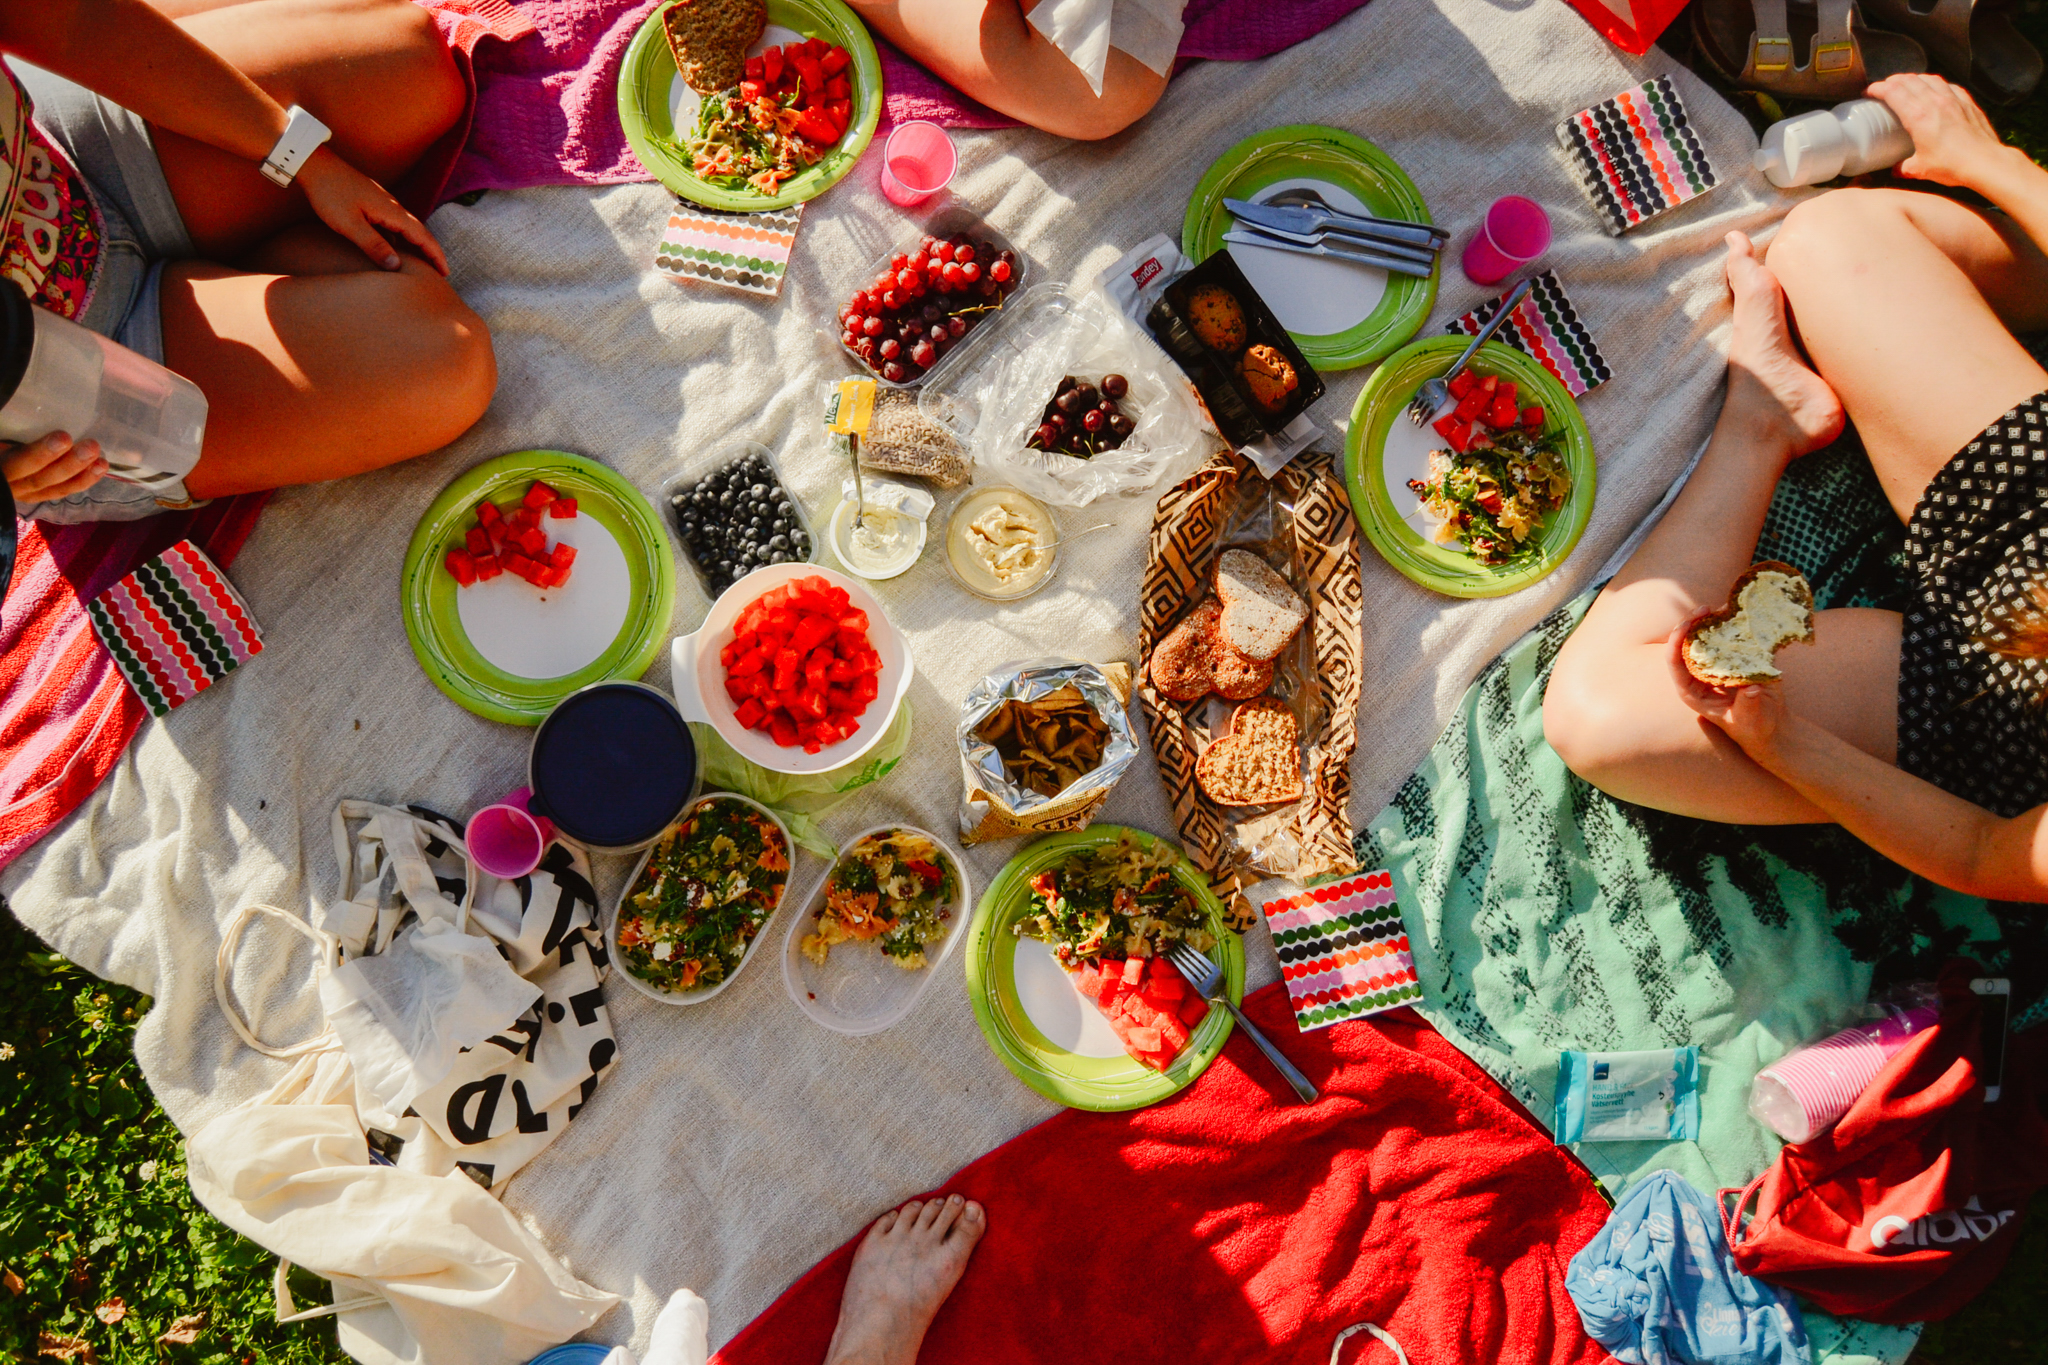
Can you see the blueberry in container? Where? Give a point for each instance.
(734, 513)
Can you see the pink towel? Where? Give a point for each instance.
(546, 90)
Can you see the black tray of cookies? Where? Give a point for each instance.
(1217, 329)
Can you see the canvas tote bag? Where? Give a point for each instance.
(397, 1209)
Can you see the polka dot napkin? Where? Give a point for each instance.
(175, 627)
(1343, 950)
(1547, 329)
(744, 251)
(1636, 155)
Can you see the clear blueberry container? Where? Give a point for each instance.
(731, 521)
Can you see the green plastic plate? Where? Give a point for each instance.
(1399, 532)
(1099, 1083)
(427, 592)
(1307, 151)
(650, 69)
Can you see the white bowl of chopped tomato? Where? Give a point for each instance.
(797, 667)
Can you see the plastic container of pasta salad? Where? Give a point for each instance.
(859, 989)
(976, 308)
(771, 828)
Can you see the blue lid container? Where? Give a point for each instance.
(572, 1353)
(613, 765)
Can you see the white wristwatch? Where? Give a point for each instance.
(303, 134)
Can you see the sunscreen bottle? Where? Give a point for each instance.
(1850, 139)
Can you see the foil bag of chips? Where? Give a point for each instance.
(1042, 744)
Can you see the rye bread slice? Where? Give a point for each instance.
(1261, 612)
(1733, 646)
(1193, 660)
(1257, 762)
(709, 40)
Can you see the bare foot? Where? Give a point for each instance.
(1780, 401)
(908, 1263)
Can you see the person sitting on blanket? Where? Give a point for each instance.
(1923, 734)
(905, 1267)
(1078, 68)
(316, 319)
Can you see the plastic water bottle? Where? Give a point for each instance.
(57, 376)
(1850, 139)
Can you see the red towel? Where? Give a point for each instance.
(66, 713)
(1231, 1223)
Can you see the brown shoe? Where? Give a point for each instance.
(1755, 44)
(1972, 43)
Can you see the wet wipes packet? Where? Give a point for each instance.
(1628, 1096)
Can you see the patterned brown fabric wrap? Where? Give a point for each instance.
(1222, 505)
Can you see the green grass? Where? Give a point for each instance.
(95, 1210)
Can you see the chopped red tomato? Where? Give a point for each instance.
(835, 60)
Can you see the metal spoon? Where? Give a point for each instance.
(1301, 197)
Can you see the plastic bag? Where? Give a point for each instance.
(1089, 340)
(799, 798)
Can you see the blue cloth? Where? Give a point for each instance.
(1658, 1286)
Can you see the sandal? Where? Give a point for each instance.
(1971, 43)
(1755, 45)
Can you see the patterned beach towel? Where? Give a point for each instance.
(1544, 914)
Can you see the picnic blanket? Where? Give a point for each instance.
(738, 1142)
(547, 106)
(1544, 914)
(1456, 1222)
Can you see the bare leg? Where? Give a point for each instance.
(375, 71)
(1904, 301)
(314, 375)
(908, 1264)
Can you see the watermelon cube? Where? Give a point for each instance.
(487, 514)
(563, 556)
(561, 509)
(1134, 970)
(461, 566)
(1141, 1039)
(487, 568)
(1193, 1010)
(534, 541)
(477, 541)
(539, 495)
(1174, 1033)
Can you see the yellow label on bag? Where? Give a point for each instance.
(851, 407)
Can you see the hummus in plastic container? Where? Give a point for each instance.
(1002, 543)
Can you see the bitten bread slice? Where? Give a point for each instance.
(1193, 661)
(709, 40)
(1771, 606)
(1258, 762)
(1261, 613)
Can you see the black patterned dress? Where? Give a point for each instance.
(1973, 721)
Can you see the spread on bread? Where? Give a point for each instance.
(1771, 606)
(1257, 762)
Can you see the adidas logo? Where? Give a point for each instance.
(1943, 1228)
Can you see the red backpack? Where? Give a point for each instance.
(1908, 1207)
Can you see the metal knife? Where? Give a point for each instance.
(1420, 255)
(1396, 264)
(1352, 225)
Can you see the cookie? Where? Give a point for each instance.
(1193, 661)
(1770, 606)
(1257, 761)
(710, 38)
(1270, 378)
(1216, 318)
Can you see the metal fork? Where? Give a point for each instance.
(1436, 392)
(1207, 979)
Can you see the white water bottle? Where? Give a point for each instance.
(57, 376)
(1850, 139)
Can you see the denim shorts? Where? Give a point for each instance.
(112, 151)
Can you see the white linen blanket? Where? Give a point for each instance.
(737, 1142)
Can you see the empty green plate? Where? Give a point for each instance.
(511, 651)
(1347, 333)
(993, 984)
(649, 70)
(1398, 529)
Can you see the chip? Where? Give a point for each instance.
(1049, 744)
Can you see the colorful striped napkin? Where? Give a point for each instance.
(1343, 950)
(1547, 328)
(1636, 155)
(744, 251)
(175, 627)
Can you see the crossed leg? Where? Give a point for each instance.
(1903, 300)
(317, 364)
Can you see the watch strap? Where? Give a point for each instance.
(302, 136)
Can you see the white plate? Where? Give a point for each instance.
(1046, 991)
(544, 633)
(1312, 296)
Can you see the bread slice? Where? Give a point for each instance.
(709, 40)
(1193, 660)
(1257, 762)
(1770, 606)
(1261, 613)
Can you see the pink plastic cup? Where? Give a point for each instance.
(506, 839)
(918, 161)
(1514, 232)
